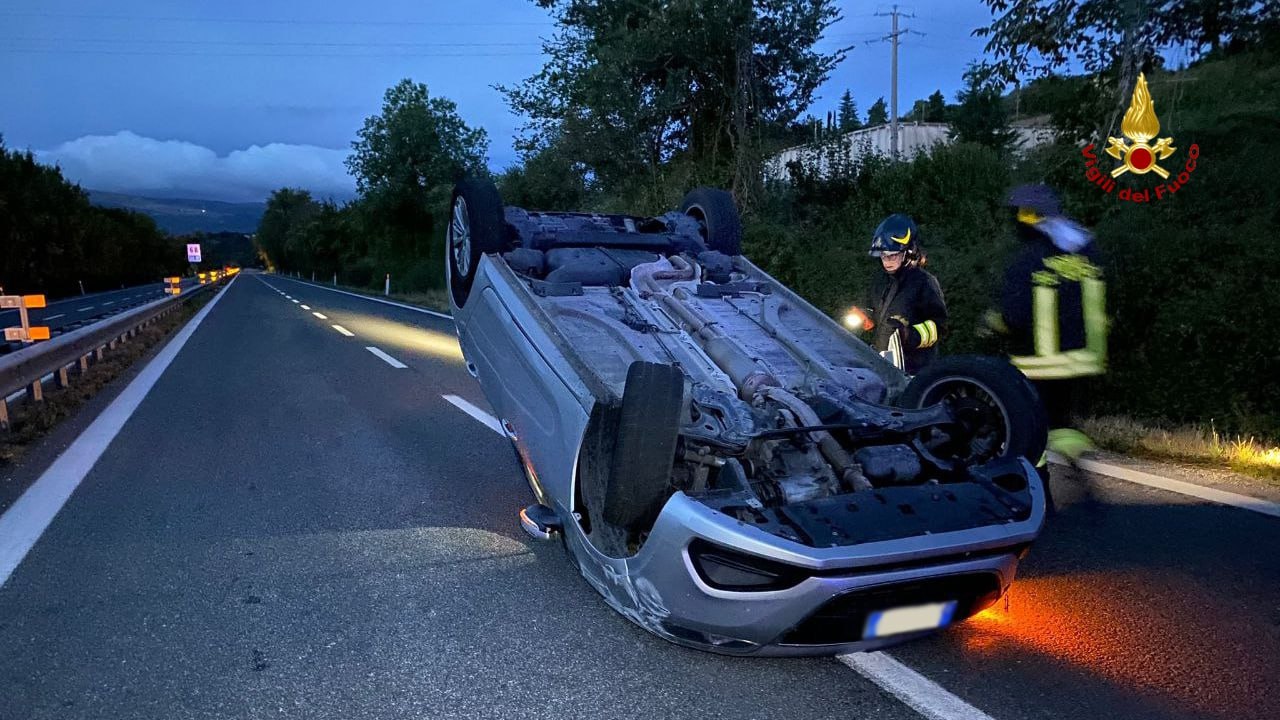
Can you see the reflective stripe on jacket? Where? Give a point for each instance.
(1055, 307)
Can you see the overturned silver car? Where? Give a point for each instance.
(727, 466)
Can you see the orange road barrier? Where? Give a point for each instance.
(24, 333)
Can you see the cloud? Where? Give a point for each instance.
(129, 163)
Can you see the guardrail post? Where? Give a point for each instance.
(64, 378)
(84, 364)
(4, 414)
(35, 391)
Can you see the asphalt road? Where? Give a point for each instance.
(291, 526)
(75, 312)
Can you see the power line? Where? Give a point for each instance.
(171, 53)
(266, 21)
(268, 43)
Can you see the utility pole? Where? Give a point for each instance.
(892, 37)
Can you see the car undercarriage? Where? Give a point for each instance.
(637, 361)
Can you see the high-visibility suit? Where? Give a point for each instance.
(1053, 310)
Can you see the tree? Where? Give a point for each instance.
(287, 214)
(847, 113)
(405, 161)
(633, 85)
(415, 143)
(546, 180)
(1034, 38)
(52, 239)
(878, 114)
(935, 108)
(981, 117)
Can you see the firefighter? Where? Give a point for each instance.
(905, 299)
(1053, 310)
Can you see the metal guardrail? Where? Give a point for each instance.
(76, 350)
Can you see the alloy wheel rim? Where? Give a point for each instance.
(460, 237)
(959, 390)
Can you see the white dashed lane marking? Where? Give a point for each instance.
(485, 418)
(344, 331)
(389, 360)
(914, 690)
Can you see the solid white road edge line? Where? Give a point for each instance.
(414, 308)
(343, 330)
(390, 360)
(914, 690)
(485, 418)
(26, 520)
(322, 317)
(1222, 497)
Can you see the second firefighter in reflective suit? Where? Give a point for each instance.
(1053, 310)
(905, 299)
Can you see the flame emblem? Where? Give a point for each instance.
(1140, 125)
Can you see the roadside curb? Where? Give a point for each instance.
(1182, 487)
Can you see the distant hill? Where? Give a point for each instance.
(183, 216)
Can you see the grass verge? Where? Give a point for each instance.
(437, 300)
(32, 421)
(1191, 444)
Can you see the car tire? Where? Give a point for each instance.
(475, 228)
(716, 212)
(992, 382)
(639, 479)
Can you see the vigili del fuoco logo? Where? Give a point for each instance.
(1138, 155)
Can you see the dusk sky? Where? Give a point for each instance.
(230, 100)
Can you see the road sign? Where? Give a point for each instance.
(193, 252)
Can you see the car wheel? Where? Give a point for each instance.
(718, 216)
(475, 228)
(998, 408)
(639, 480)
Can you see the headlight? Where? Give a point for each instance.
(725, 569)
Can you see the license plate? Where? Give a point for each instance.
(908, 619)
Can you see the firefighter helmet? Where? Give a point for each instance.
(896, 233)
(1032, 204)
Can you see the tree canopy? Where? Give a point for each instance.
(847, 113)
(633, 84)
(1115, 39)
(52, 239)
(417, 142)
(405, 160)
(981, 116)
(878, 114)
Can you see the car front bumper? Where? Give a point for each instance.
(661, 589)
